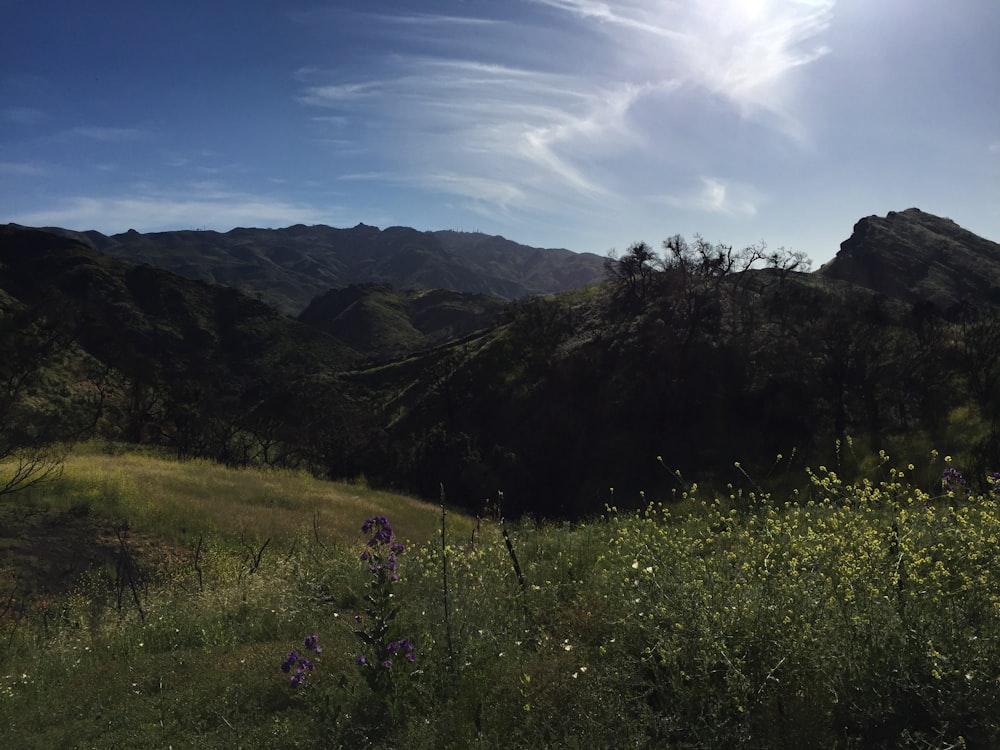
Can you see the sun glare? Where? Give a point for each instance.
(751, 9)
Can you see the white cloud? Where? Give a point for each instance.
(333, 95)
(718, 196)
(740, 49)
(430, 19)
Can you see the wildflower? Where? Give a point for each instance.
(302, 666)
(290, 661)
(382, 530)
(312, 643)
(952, 480)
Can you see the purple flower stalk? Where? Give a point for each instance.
(381, 534)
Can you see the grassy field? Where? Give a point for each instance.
(842, 615)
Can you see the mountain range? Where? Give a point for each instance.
(289, 267)
(551, 397)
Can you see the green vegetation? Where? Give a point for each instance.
(384, 323)
(835, 614)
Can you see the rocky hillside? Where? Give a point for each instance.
(914, 256)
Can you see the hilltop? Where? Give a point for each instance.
(913, 256)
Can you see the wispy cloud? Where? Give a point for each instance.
(494, 129)
(340, 92)
(740, 49)
(432, 19)
(715, 195)
(494, 126)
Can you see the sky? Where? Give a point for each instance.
(555, 123)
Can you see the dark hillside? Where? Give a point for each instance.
(916, 257)
(691, 357)
(202, 368)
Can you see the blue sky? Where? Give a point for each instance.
(556, 123)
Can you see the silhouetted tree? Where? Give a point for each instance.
(631, 276)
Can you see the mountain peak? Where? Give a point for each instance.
(915, 256)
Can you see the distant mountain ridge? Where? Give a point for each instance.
(289, 267)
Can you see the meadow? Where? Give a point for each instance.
(862, 613)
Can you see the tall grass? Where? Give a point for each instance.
(180, 500)
(842, 615)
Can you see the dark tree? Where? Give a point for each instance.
(631, 275)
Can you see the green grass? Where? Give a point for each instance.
(180, 500)
(843, 615)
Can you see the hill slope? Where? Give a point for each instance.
(383, 323)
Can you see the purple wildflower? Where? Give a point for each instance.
(289, 661)
(381, 527)
(952, 480)
(408, 650)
